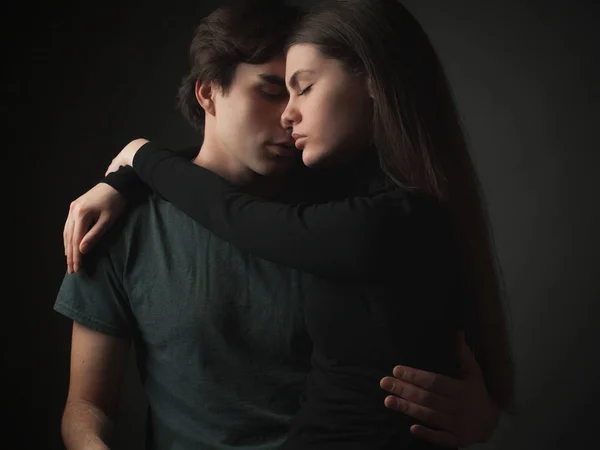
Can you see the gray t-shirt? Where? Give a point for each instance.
(220, 337)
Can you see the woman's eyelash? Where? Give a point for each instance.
(306, 89)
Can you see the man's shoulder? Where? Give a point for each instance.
(145, 212)
(144, 222)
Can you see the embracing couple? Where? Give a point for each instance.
(318, 274)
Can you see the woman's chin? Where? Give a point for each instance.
(313, 158)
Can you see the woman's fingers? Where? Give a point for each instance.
(94, 234)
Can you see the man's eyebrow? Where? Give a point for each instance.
(272, 79)
(294, 78)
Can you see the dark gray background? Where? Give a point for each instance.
(84, 80)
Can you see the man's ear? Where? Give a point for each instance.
(205, 94)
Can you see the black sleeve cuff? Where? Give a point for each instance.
(126, 181)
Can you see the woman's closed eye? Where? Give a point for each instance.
(305, 90)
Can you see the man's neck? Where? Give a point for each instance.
(222, 163)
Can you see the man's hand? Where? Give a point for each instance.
(460, 412)
(89, 217)
(125, 156)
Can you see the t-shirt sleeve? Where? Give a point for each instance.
(94, 297)
(346, 238)
(129, 184)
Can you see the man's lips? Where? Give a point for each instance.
(284, 148)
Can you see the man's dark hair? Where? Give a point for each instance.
(249, 31)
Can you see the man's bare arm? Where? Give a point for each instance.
(97, 367)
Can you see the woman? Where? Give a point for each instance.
(413, 216)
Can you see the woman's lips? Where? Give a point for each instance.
(299, 143)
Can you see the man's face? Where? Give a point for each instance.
(247, 119)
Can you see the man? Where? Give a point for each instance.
(219, 335)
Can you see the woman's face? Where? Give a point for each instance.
(329, 110)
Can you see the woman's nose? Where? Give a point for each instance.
(289, 117)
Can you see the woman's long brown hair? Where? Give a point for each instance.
(422, 145)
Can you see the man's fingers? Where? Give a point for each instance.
(441, 438)
(417, 395)
(434, 382)
(92, 236)
(427, 416)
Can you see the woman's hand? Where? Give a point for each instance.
(460, 412)
(125, 156)
(89, 218)
(92, 213)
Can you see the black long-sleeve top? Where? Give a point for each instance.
(387, 288)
